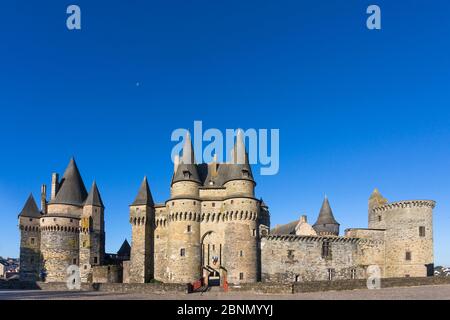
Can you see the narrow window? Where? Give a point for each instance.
(290, 254)
(74, 261)
(183, 252)
(213, 204)
(297, 278)
(32, 240)
(232, 201)
(330, 274)
(353, 274)
(326, 249)
(422, 231)
(379, 218)
(241, 276)
(254, 232)
(408, 256)
(85, 267)
(241, 253)
(189, 228)
(95, 260)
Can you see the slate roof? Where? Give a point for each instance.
(325, 214)
(30, 210)
(209, 176)
(288, 228)
(71, 188)
(125, 249)
(94, 198)
(144, 196)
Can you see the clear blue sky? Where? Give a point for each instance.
(356, 109)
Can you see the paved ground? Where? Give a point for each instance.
(441, 292)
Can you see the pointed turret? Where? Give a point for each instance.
(94, 198)
(125, 250)
(188, 150)
(376, 199)
(239, 168)
(186, 170)
(30, 210)
(144, 196)
(71, 188)
(326, 224)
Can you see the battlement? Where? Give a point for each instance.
(405, 204)
(292, 238)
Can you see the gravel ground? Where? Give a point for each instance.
(437, 292)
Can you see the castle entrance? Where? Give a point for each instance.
(211, 258)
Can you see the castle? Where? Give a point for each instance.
(213, 227)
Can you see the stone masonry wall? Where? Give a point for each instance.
(299, 259)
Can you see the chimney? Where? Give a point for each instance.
(44, 199)
(55, 185)
(214, 166)
(303, 219)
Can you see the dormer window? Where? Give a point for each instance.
(245, 173)
(186, 174)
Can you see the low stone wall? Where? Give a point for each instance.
(258, 288)
(262, 288)
(107, 274)
(143, 288)
(362, 284)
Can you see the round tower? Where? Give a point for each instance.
(184, 213)
(242, 210)
(60, 225)
(409, 237)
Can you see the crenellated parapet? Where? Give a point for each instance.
(405, 204)
(330, 239)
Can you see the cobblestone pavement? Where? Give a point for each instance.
(441, 292)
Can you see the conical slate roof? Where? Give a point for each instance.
(125, 249)
(71, 190)
(30, 210)
(187, 169)
(240, 168)
(94, 198)
(325, 214)
(144, 196)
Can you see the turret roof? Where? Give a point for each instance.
(71, 189)
(30, 209)
(94, 198)
(144, 196)
(326, 214)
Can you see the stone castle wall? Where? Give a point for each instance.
(300, 258)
